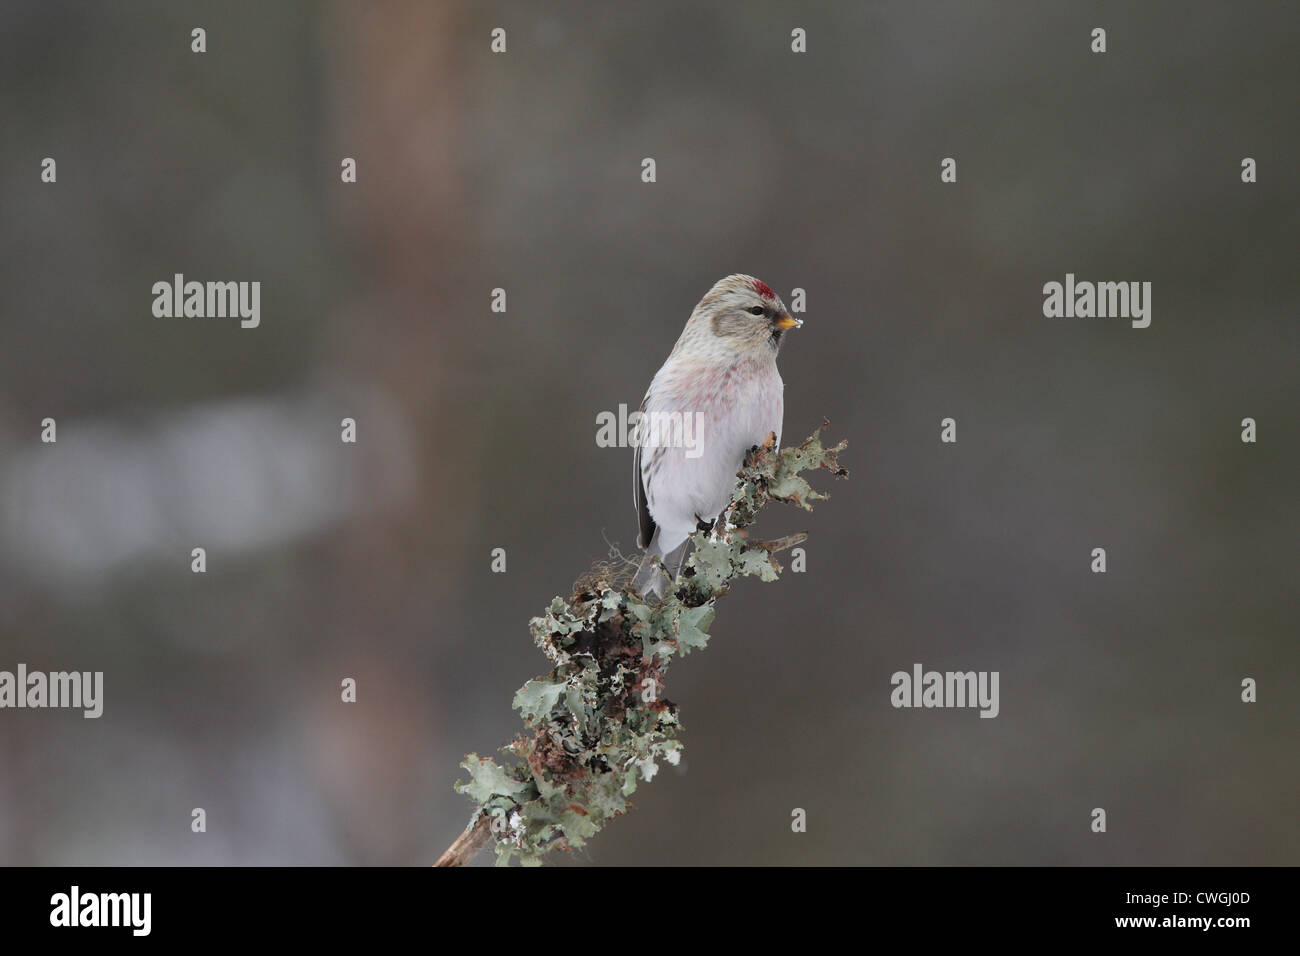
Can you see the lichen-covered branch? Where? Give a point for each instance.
(598, 722)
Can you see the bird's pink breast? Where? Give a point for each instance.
(738, 405)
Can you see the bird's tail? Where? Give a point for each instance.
(649, 578)
(653, 576)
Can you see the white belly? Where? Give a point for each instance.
(690, 474)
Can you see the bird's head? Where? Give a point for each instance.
(743, 314)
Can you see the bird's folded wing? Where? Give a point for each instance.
(646, 523)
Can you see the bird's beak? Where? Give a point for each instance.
(788, 322)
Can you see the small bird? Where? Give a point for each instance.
(718, 395)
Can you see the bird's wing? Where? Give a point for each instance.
(646, 523)
(780, 409)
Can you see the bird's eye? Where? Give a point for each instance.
(756, 310)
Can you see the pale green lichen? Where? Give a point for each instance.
(598, 722)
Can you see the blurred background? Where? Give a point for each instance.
(476, 430)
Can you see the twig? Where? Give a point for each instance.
(598, 722)
(467, 846)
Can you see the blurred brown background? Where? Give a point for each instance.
(477, 429)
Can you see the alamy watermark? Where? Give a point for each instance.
(1102, 300)
(82, 690)
(75, 908)
(626, 429)
(208, 300)
(922, 688)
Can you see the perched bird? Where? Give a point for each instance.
(716, 396)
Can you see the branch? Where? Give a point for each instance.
(598, 722)
(466, 846)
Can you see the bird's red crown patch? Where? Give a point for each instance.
(763, 289)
